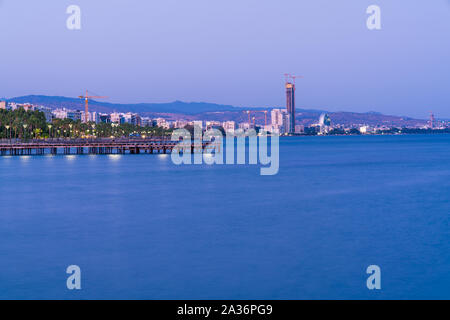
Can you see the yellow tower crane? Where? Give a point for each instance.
(86, 108)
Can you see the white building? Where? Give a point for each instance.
(13, 106)
(244, 126)
(28, 107)
(213, 124)
(60, 113)
(272, 128)
(229, 126)
(4, 105)
(286, 128)
(132, 118)
(179, 124)
(276, 116)
(280, 121)
(365, 129)
(117, 118)
(197, 123)
(74, 115)
(160, 122)
(93, 116)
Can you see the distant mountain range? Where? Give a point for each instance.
(211, 111)
(171, 107)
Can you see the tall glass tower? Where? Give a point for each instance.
(290, 105)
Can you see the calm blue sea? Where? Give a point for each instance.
(141, 227)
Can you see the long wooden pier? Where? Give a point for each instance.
(83, 146)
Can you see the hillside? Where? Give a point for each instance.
(190, 108)
(211, 111)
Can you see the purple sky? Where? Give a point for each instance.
(233, 52)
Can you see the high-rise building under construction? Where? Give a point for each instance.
(290, 105)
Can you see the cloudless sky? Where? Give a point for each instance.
(233, 52)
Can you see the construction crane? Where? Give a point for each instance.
(249, 112)
(290, 77)
(86, 109)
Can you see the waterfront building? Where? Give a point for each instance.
(244, 125)
(167, 125)
(365, 129)
(104, 118)
(163, 123)
(28, 107)
(180, 124)
(129, 118)
(4, 105)
(93, 116)
(116, 118)
(290, 106)
(272, 128)
(132, 118)
(60, 114)
(146, 122)
(299, 128)
(229, 126)
(138, 120)
(13, 106)
(324, 123)
(197, 123)
(160, 122)
(287, 123)
(282, 121)
(276, 116)
(74, 115)
(64, 113)
(213, 124)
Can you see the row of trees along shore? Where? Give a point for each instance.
(21, 124)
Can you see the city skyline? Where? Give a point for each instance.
(292, 117)
(281, 121)
(289, 92)
(188, 55)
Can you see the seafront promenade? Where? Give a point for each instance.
(88, 146)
